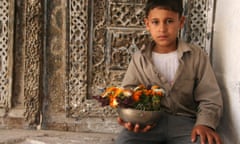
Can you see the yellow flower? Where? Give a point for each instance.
(127, 93)
(140, 87)
(136, 96)
(113, 102)
(155, 87)
(159, 92)
(109, 92)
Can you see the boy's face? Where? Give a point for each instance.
(164, 26)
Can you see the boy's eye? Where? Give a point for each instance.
(155, 22)
(169, 21)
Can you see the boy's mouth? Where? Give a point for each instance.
(162, 37)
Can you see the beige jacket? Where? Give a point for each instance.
(194, 93)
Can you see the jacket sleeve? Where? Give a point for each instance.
(208, 95)
(130, 79)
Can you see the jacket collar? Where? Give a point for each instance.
(182, 48)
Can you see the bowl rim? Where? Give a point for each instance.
(140, 116)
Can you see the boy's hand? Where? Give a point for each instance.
(134, 128)
(205, 134)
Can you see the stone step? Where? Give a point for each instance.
(18, 136)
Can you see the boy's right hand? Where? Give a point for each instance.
(134, 128)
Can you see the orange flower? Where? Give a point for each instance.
(117, 92)
(148, 92)
(136, 96)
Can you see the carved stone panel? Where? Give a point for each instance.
(33, 60)
(116, 30)
(78, 53)
(199, 23)
(6, 50)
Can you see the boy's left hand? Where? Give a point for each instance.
(205, 134)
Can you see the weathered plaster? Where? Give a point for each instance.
(226, 64)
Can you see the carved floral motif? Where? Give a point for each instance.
(33, 55)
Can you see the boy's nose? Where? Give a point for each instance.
(162, 27)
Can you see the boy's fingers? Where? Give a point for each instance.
(136, 128)
(218, 140)
(128, 126)
(193, 136)
(147, 128)
(120, 121)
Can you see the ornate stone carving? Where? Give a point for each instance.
(199, 19)
(119, 35)
(78, 53)
(6, 39)
(33, 58)
(128, 14)
(110, 50)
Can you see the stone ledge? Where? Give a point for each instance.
(19, 136)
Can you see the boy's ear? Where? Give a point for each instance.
(182, 21)
(146, 23)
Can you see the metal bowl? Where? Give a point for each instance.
(140, 117)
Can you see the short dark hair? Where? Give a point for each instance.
(173, 5)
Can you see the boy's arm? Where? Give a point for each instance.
(208, 95)
(131, 76)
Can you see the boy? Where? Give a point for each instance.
(193, 103)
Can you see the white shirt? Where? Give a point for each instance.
(166, 63)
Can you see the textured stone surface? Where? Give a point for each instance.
(17, 136)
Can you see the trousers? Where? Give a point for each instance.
(171, 129)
